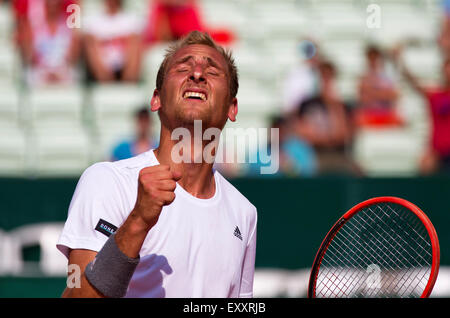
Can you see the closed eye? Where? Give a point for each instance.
(213, 71)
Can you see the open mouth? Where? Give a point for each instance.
(194, 95)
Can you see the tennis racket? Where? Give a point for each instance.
(382, 247)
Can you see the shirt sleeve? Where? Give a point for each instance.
(96, 197)
(248, 267)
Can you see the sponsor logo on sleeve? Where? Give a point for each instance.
(105, 227)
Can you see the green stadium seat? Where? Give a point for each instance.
(13, 150)
(387, 152)
(6, 23)
(153, 58)
(9, 64)
(109, 136)
(9, 105)
(113, 105)
(425, 62)
(54, 106)
(229, 14)
(60, 151)
(256, 99)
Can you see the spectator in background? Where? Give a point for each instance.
(302, 81)
(437, 156)
(113, 44)
(142, 141)
(444, 35)
(49, 48)
(292, 156)
(377, 93)
(170, 20)
(323, 122)
(296, 157)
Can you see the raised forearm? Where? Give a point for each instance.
(129, 239)
(131, 235)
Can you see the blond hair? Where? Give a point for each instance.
(197, 37)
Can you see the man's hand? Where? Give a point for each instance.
(396, 54)
(156, 186)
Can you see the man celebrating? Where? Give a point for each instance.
(151, 226)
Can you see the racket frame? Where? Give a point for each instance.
(350, 213)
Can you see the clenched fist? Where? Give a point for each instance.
(156, 186)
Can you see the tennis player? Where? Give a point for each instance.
(151, 227)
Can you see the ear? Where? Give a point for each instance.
(233, 109)
(155, 102)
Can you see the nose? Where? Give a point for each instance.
(197, 75)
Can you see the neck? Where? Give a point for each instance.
(197, 175)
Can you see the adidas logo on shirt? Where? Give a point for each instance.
(237, 233)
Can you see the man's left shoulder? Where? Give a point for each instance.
(235, 197)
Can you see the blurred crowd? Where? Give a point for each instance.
(110, 44)
(316, 125)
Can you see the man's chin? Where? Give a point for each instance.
(189, 122)
(187, 118)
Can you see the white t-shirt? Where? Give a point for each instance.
(198, 247)
(106, 26)
(111, 31)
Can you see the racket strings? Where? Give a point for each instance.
(360, 246)
(423, 244)
(362, 264)
(390, 237)
(382, 251)
(350, 281)
(359, 275)
(421, 236)
(403, 260)
(343, 271)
